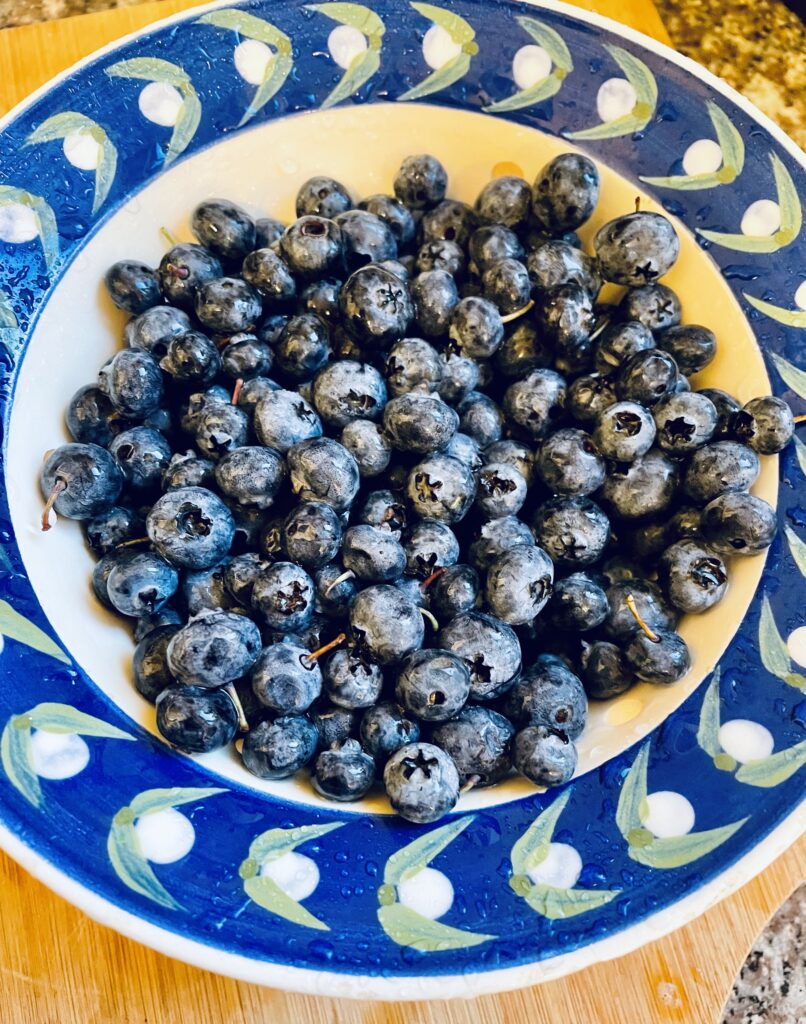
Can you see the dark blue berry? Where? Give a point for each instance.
(460, 375)
(183, 270)
(643, 488)
(480, 418)
(433, 684)
(546, 757)
(224, 228)
(285, 679)
(693, 347)
(554, 264)
(113, 527)
(347, 391)
(344, 772)
(214, 648)
(313, 247)
(284, 419)
(133, 383)
(495, 537)
(726, 405)
(619, 342)
(368, 445)
(376, 307)
(738, 524)
(421, 782)
(397, 216)
(366, 239)
(505, 200)
(153, 330)
(133, 286)
(322, 197)
(196, 720)
(268, 273)
(476, 328)
(421, 182)
(718, 468)
(80, 481)
(283, 594)
(278, 749)
(141, 585)
(226, 305)
(246, 358)
(605, 672)
(191, 358)
(385, 728)
(578, 603)
(636, 249)
(143, 455)
(662, 659)
(332, 598)
(221, 429)
(385, 625)
(187, 469)
(766, 424)
(519, 584)
(589, 395)
(568, 462)
(500, 490)
(303, 347)
(88, 416)
(574, 531)
(648, 601)
(693, 577)
(684, 422)
(656, 306)
(489, 647)
(441, 255)
(352, 681)
(206, 590)
(548, 694)
(536, 402)
(412, 365)
(250, 476)
(322, 470)
(335, 725)
(322, 298)
(565, 192)
(624, 431)
(191, 528)
(150, 663)
(267, 232)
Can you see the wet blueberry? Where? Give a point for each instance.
(366, 239)
(441, 255)
(150, 663)
(322, 470)
(283, 595)
(479, 741)
(373, 554)
(191, 528)
(79, 481)
(421, 182)
(693, 577)
(334, 591)
(460, 375)
(565, 192)
(322, 197)
(578, 603)
(422, 782)
(476, 328)
(545, 757)
(344, 772)
(489, 647)
(368, 445)
(648, 602)
(312, 246)
(385, 625)
(153, 330)
(267, 272)
(636, 249)
(376, 307)
(278, 749)
(393, 212)
(624, 431)
(191, 358)
(347, 391)
(385, 728)
(642, 488)
(718, 468)
(536, 402)
(500, 490)
(568, 462)
(662, 659)
(187, 469)
(284, 419)
(132, 381)
(738, 524)
(285, 679)
(693, 347)
(519, 584)
(480, 418)
(605, 672)
(183, 270)
(214, 648)
(766, 424)
(141, 585)
(685, 422)
(221, 429)
(196, 720)
(441, 488)
(646, 377)
(133, 286)
(224, 228)
(574, 531)
(548, 694)
(589, 395)
(226, 305)
(495, 537)
(619, 342)
(303, 347)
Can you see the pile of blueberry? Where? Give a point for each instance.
(388, 493)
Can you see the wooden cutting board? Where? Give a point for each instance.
(59, 967)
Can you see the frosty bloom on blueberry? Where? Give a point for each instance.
(390, 491)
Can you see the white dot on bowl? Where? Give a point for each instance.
(623, 710)
(429, 893)
(251, 59)
(345, 44)
(615, 98)
(160, 103)
(530, 65)
(165, 836)
(81, 150)
(58, 755)
(439, 48)
(702, 157)
(668, 814)
(800, 302)
(17, 223)
(763, 217)
(561, 868)
(745, 740)
(296, 874)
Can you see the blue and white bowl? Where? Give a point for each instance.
(682, 794)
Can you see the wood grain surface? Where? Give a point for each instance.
(59, 967)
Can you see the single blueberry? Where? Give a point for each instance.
(285, 679)
(303, 347)
(535, 403)
(636, 249)
(692, 347)
(366, 239)
(397, 216)
(476, 329)
(224, 228)
(283, 595)
(313, 246)
(718, 468)
(196, 720)
(421, 782)
(500, 490)
(649, 604)
(374, 555)
(268, 273)
(352, 681)
(221, 429)
(385, 625)
(565, 192)
(191, 528)
(624, 431)
(546, 757)
(642, 488)
(574, 531)
(605, 672)
(766, 424)
(112, 528)
(489, 647)
(555, 264)
(183, 270)
(322, 197)
(480, 418)
(385, 728)
(187, 469)
(519, 584)
(738, 524)
(578, 603)
(79, 481)
(347, 391)
(133, 286)
(568, 462)
(479, 742)
(663, 658)
(278, 749)
(376, 307)
(284, 419)
(460, 375)
(141, 585)
(334, 591)
(684, 422)
(548, 694)
(150, 663)
(214, 648)
(495, 537)
(433, 684)
(368, 445)
(323, 470)
(522, 351)
(89, 415)
(344, 772)
(132, 381)
(589, 395)
(656, 306)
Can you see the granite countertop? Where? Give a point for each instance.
(759, 47)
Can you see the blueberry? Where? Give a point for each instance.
(548, 694)
(153, 330)
(568, 462)
(344, 772)
(268, 273)
(624, 431)
(332, 598)
(239, 575)
(270, 328)
(196, 720)
(250, 476)
(150, 663)
(335, 725)
(412, 365)
(466, 450)
(451, 220)
(226, 305)
(221, 429)
(476, 328)
(664, 659)
(322, 470)
(718, 468)
(267, 232)
(433, 684)
(312, 246)
(578, 603)
(141, 585)
(246, 358)
(376, 307)
(402, 268)
(646, 377)
(79, 481)
(322, 298)
(393, 212)
(285, 679)
(619, 342)
(303, 347)
(636, 249)
(545, 757)
(766, 424)
(565, 192)
(224, 228)
(488, 245)
(102, 570)
(455, 591)
(685, 422)
(347, 391)
(725, 405)
(693, 577)
(191, 528)
(385, 624)
(656, 306)
(480, 418)
(206, 590)
(283, 594)
(191, 358)
(132, 382)
(366, 239)
(500, 490)
(519, 584)
(113, 527)
(186, 469)
(133, 286)
(643, 488)
(183, 270)
(441, 488)
(434, 297)
(460, 375)
(738, 524)
(142, 455)
(430, 545)
(421, 182)
(605, 671)
(214, 648)
(522, 351)
(495, 537)
(88, 416)
(693, 347)
(419, 422)
(554, 264)
(385, 728)
(312, 534)
(505, 200)
(479, 741)
(489, 647)
(648, 601)
(589, 395)
(506, 284)
(536, 402)
(352, 681)
(278, 749)
(374, 555)
(441, 255)
(512, 453)
(368, 445)
(422, 782)
(574, 531)
(200, 402)
(284, 419)
(322, 197)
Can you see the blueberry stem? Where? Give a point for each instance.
(472, 781)
(637, 204)
(426, 614)
(650, 633)
(58, 486)
(327, 647)
(236, 391)
(349, 575)
(600, 325)
(132, 543)
(166, 234)
(518, 312)
(243, 725)
(435, 575)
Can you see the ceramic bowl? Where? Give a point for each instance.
(682, 793)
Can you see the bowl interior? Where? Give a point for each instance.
(262, 169)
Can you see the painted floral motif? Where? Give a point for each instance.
(413, 895)
(706, 162)
(539, 69)
(24, 217)
(448, 47)
(10, 336)
(774, 655)
(544, 873)
(625, 105)
(169, 99)
(355, 46)
(46, 742)
(277, 878)
(85, 145)
(131, 846)
(263, 57)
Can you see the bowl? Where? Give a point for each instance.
(682, 793)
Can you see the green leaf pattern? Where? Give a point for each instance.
(646, 91)
(44, 218)
(774, 655)
(732, 146)
(462, 34)
(364, 65)
(554, 45)
(419, 853)
(708, 731)
(70, 122)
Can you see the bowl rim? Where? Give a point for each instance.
(441, 986)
